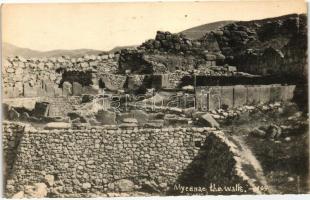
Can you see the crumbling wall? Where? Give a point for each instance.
(215, 97)
(100, 157)
(274, 46)
(44, 76)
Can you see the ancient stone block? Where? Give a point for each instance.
(8, 92)
(202, 98)
(40, 89)
(275, 93)
(49, 89)
(240, 95)
(264, 93)
(209, 121)
(77, 89)
(214, 98)
(253, 94)
(287, 92)
(57, 125)
(227, 96)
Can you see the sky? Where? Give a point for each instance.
(103, 26)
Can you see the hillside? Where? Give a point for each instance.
(118, 48)
(12, 50)
(199, 31)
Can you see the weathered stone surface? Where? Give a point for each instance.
(253, 96)
(87, 161)
(264, 94)
(214, 98)
(227, 95)
(106, 117)
(275, 93)
(57, 125)
(30, 91)
(240, 96)
(209, 121)
(77, 89)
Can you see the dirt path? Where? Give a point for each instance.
(248, 158)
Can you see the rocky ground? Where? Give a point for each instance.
(277, 136)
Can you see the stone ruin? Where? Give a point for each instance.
(139, 119)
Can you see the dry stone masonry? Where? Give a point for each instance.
(149, 119)
(87, 160)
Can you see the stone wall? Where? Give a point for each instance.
(60, 106)
(45, 76)
(274, 46)
(96, 159)
(11, 138)
(214, 97)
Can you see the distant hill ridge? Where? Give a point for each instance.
(12, 50)
(199, 31)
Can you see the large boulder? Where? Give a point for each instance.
(209, 121)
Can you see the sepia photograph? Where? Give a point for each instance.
(139, 99)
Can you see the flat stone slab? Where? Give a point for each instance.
(57, 125)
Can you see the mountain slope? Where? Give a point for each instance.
(199, 31)
(12, 50)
